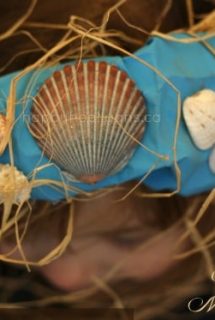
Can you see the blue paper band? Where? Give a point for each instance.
(189, 67)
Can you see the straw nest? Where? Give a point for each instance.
(83, 38)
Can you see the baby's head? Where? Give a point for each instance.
(140, 248)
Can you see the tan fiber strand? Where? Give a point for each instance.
(80, 42)
(190, 12)
(19, 22)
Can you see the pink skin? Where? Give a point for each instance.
(76, 269)
(92, 253)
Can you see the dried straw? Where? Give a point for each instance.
(82, 38)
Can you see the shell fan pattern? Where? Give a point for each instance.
(88, 119)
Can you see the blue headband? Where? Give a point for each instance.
(189, 67)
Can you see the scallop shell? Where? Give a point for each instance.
(87, 118)
(13, 184)
(212, 160)
(199, 115)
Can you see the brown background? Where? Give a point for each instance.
(142, 13)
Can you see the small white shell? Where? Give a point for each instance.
(199, 115)
(84, 117)
(212, 161)
(13, 185)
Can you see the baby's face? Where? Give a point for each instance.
(113, 239)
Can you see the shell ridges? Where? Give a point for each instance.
(84, 118)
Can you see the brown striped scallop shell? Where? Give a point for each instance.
(87, 118)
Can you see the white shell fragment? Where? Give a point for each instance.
(199, 115)
(212, 161)
(84, 118)
(13, 185)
